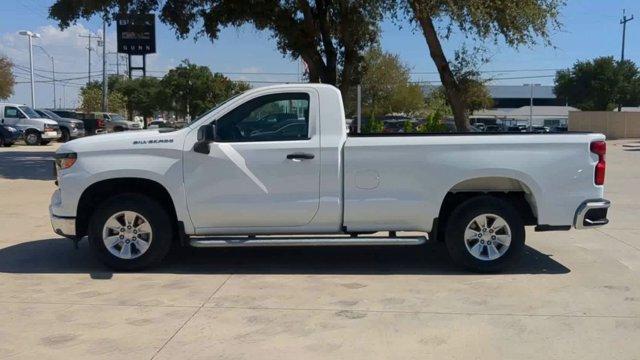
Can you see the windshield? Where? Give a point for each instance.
(215, 107)
(51, 114)
(117, 117)
(29, 112)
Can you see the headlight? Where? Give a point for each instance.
(73, 125)
(66, 160)
(11, 129)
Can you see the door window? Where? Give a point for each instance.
(276, 117)
(11, 112)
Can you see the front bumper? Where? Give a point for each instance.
(51, 135)
(76, 133)
(591, 214)
(63, 226)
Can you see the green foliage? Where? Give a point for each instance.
(195, 88)
(330, 36)
(7, 80)
(408, 127)
(386, 86)
(187, 86)
(91, 99)
(599, 84)
(433, 123)
(373, 126)
(517, 23)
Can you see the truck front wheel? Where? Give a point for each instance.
(485, 234)
(130, 232)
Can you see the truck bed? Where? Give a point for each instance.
(397, 181)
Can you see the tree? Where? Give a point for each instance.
(142, 95)
(386, 86)
(330, 36)
(194, 88)
(7, 80)
(91, 99)
(599, 84)
(517, 23)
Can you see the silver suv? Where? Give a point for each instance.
(116, 122)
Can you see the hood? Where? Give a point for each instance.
(72, 120)
(46, 121)
(126, 141)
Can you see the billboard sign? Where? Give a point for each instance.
(136, 34)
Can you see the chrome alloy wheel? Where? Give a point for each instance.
(127, 235)
(487, 237)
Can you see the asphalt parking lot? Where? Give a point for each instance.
(575, 295)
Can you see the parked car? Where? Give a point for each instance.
(492, 128)
(9, 135)
(116, 122)
(212, 185)
(69, 128)
(36, 129)
(158, 124)
(92, 124)
(518, 128)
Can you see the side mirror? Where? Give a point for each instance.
(206, 135)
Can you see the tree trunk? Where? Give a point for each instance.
(452, 90)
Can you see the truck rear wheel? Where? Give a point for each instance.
(130, 232)
(485, 234)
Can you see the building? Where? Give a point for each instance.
(511, 106)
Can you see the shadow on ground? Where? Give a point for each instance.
(30, 165)
(59, 256)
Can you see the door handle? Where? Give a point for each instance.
(300, 156)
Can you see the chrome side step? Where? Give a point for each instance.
(220, 241)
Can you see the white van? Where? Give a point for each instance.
(36, 130)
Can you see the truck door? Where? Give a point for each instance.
(11, 116)
(263, 169)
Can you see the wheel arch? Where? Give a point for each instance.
(518, 192)
(99, 191)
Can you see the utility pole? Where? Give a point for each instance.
(53, 71)
(31, 35)
(624, 22)
(359, 109)
(89, 37)
(104, 66)
(531, 86)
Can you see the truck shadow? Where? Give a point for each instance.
(29, 165)
(58, 256)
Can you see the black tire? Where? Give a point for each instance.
(160, 222)
(118, 129)
(8, 144)
(32, 137)
(66, 136)
(2, 142)
(462, 216)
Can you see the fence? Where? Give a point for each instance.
(615, 125)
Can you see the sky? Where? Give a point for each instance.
(591, 28)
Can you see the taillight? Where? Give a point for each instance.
(599, 148)
(100, 123)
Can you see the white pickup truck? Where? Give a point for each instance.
(275, 166)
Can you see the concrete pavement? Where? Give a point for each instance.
(575, 295)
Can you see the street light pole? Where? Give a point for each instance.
(31, 35)
(53, 71)
(531, 105)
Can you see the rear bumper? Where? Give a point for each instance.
(63, 226)
(591, 214)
